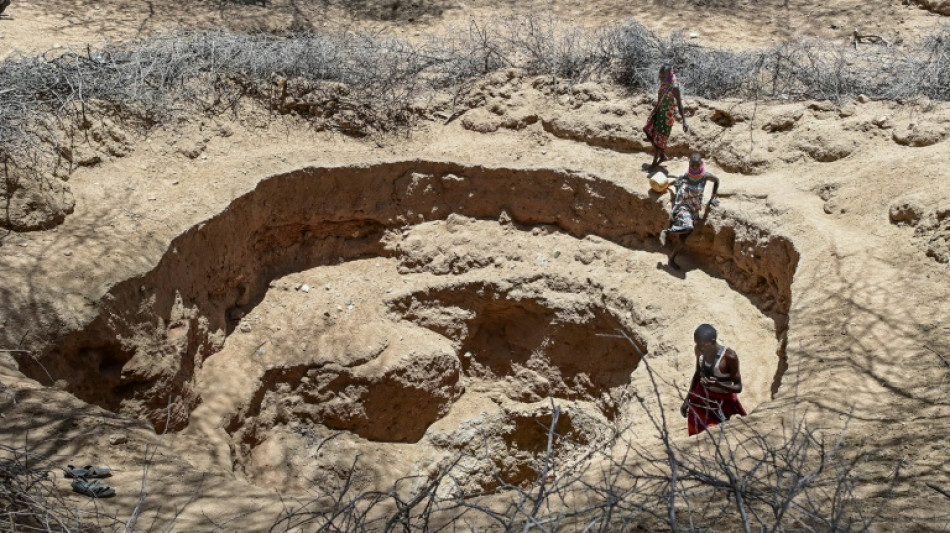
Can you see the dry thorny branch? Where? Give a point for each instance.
(48, 102)
(30, 499)
(739, 476)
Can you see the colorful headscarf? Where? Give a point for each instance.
(670, 78)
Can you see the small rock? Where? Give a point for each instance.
(924, 134)
(339, 308)
(863, 99)
(305, 288)
(67, 253)
(906, 212)
(61, 384)
(151, 198)
(118, 438)
(693, 35)
(883, 122)
(245, 328)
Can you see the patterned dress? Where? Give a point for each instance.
(688, 202)
(661, 122)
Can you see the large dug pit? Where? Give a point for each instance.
(546, 340)
(415, 315)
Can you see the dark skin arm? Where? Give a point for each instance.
(692, 384)
(730, 384)
(715, 193)
(679, 106)
(672, 190)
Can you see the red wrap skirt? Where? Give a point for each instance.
(708, 408)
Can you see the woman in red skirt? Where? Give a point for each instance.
(714, 392)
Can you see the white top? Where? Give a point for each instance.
(714, 370)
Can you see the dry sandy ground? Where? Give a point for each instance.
(435, 260)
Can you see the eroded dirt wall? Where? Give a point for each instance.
(154, 330)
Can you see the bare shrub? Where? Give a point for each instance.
(638, 52)
(803, 69)
(934, 73)
(545, 46)
(43, 100)
(710, 73)
(737, 476)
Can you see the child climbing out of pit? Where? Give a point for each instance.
(687, 194)
(714, 391)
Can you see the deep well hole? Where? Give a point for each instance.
(396, 405)
(146, 349)
(513, 449)
(527, 348)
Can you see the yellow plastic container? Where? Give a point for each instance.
(659, 182)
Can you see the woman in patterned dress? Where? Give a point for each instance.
(687, 193)
(660, 124)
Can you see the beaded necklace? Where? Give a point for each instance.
(698, 174)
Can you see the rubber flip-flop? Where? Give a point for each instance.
(93, 489)
(88, 471)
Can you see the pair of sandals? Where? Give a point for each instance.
(86, 482)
